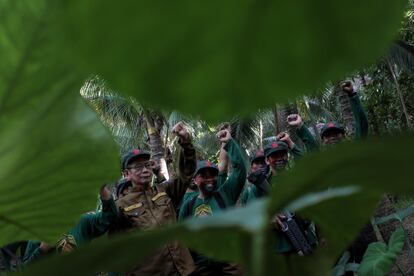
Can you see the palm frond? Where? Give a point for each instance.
(267, 118)
(207, 145)
(318, 111)
(246, 131)
(402, 54)
(117, 113)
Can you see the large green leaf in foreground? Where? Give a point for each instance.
(337, 188)
(54, 155)
(222, 58)
(54, 152)
(226, 236)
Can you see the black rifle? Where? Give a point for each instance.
(295, 234)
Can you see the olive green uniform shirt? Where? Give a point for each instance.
(154, 208)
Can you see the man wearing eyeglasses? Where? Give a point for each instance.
(148, 206)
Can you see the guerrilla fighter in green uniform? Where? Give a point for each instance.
(222, 167)
(146, 207)
(250, 191)
(206, 177)
(264, 169)
(333, 132)
(91, 226)
(211, 199)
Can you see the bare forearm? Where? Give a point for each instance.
(223, 160)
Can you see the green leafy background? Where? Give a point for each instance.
(380, 257)
(229, 58)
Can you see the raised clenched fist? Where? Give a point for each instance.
(181, 131)
(285, 137)
(295, 120)
(224, 135)
(347, 87)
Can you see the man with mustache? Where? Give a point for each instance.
(147, 206)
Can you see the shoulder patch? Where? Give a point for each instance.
(157, 196)
(132, 207)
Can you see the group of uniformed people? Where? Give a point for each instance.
(201, 188)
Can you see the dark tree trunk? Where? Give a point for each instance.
(346, 111)
(276, 111)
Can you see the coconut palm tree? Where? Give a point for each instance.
(132, 125)
(118, 114)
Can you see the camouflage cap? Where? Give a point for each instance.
(277, 146)
(332, 125)
(205, 164)
(131, 155)
(257, 157)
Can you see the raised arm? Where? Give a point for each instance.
(233, 186)
(95, 225)
(223, 164)
(361, 120)
(303, 132)
(294, 149)
(176, 187)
